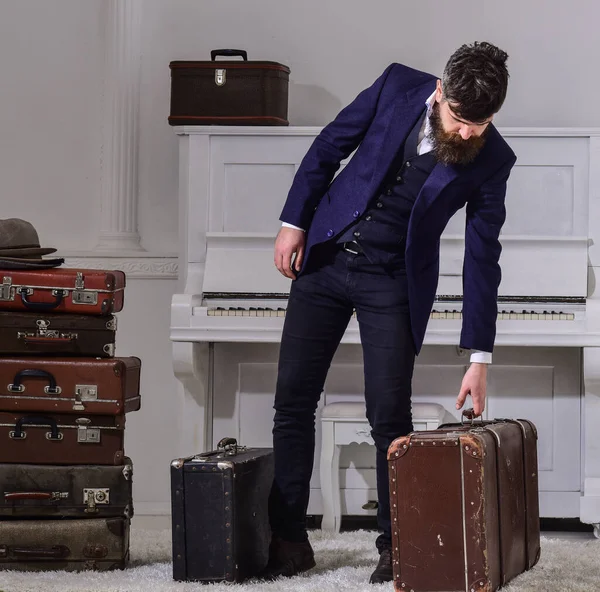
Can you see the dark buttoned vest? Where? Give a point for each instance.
(381, 230)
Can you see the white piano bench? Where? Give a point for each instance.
(346, 423)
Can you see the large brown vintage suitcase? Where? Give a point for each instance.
(73, 491)
(71, 545)
(61, 439)
(63, 290)
(94, 386)
(27, 333)
(220, 522)
(464, 505)
(229, 92)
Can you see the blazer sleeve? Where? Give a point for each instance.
(336, 141)
(485, 216)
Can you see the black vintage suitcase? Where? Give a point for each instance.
(95, 386)
(72, 491)
(220, 513)
(31, 333)
(229, 92)
(71, 545)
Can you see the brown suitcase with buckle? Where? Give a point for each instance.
(464, 505)
(229, 92)
(56, 334)
(71, 545)
(60, 439)
(108, 386)
(62, 290)
(73, 491)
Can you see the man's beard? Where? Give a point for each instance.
(450, 148)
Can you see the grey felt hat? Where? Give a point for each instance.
(20, 246)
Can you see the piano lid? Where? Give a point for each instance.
(545, 267)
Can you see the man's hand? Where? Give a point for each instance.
(288, 242)
(474, 383)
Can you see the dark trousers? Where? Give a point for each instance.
(320, 306)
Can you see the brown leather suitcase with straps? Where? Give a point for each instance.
(61, 439)
(94, 386)
(464, 505)
(57, 334)
(62, 290)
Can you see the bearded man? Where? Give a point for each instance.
(368, 241)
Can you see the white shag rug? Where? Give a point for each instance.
(344, 563)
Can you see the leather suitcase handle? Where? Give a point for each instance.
(18, 387)
(40, 305)
(55, 552)
(54, 434)
(34, 495)
(49, 340)
(229, 53)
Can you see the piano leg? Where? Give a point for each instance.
(590, 500)
(192, 366)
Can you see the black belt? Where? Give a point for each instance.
(352, 247)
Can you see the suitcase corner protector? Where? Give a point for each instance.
(399, 447)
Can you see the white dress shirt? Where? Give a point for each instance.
(424, 146)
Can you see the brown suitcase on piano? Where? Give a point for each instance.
(50, 334)
(62, 290)
(61, 439)
(464, 505)
(229, 92)
(94, 386)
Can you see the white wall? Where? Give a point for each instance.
(337, 47)
(51, 59)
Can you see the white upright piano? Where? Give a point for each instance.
(228, 312)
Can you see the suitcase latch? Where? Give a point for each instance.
(220, 76)
(83, 393)
(86, 435)
(93, 497)
(80, 296)
(7, 292)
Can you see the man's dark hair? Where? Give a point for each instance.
(475, 81)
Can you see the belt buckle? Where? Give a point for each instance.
(350, 250)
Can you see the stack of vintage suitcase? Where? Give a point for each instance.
(65, 482)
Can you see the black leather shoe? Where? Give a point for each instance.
(383, 572)
(287, 559)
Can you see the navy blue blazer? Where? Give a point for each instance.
(376, 124)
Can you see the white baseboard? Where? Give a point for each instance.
(152, 509)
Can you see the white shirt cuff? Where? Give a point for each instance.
(481, 357)
(291, 226)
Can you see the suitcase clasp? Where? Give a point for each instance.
(220, 76)
(83, 393)
(7, 292)
(93, 497)
(80, 296)
(86, 435)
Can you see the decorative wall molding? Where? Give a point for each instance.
(119, 165)
(144, 267)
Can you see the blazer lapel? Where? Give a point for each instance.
(441, 176)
